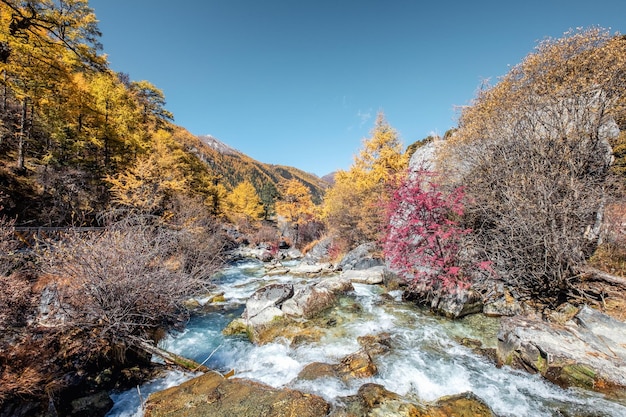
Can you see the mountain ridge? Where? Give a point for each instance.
(231, 167)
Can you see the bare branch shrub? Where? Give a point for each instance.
(119, 286)
(534, 155)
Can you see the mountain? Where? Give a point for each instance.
(232, 167)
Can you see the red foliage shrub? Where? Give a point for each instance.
(424, 237)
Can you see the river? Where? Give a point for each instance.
(427, 360)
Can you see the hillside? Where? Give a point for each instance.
(232, 167)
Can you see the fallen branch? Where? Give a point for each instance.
(174, 359)
(597, 275)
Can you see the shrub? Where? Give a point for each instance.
(117, 287)
(425, 239)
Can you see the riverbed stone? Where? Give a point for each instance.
(371, 276)
(213, 395)
(356, 365)
(308, 301)
(271, 295)
(588, 351)
(466, 404)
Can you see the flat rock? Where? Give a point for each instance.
(372, 276)
(588, 351)
(213, 395)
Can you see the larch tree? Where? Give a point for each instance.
(353, 207)
(244, 202)
(295, 205)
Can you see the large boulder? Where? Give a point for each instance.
(308, 301)
(588, 351)
(282, 310)
(213, 395)
(364, 256)
(453, 305)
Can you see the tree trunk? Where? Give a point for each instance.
(22, 136)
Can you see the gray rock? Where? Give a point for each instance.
(336, 284)
(269, 296)
(311, 270)
(364, 256)
(372, 276)
(309, 301)
(588, 351)
(319, 252)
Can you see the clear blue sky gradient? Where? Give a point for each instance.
(299, 83)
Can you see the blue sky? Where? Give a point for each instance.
(300, 82)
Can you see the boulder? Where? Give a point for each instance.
(319, 252)
(372, 276)
(213, 395)
(364, 256)
(336, 284)
(308, 301)
(356, 365)
(452, 305)
(466, 404)
(317, 370)
(588, 351)
(459, 304)
(374, 400)
(271, 295)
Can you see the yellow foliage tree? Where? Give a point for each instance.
(353, 207)
(154, 178)
(244, 202)
(295, 205)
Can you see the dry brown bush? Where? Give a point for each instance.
(117, 287)
(533, 153)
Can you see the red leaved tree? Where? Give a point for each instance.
(424, 237)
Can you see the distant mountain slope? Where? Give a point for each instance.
(232, 166)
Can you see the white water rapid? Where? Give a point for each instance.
(426, 361)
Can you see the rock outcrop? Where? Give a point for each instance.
(364, 256)
(588, 351)
(281, 310)
(213, 395)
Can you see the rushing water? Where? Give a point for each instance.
(425, 363)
